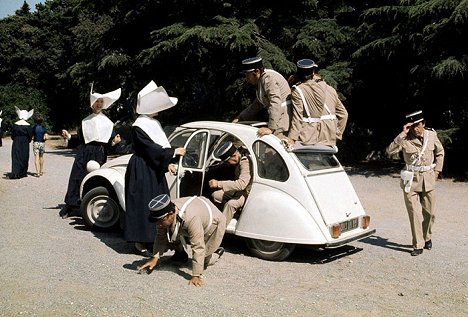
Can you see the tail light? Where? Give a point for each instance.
(365, 222)
(336, 231)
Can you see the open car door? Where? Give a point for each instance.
(191, 168)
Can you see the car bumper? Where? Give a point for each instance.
(339, 243)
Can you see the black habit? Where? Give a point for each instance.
(144, 180)
(21, 136)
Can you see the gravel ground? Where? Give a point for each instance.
(55, 267)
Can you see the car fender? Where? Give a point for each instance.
(287, 222)
(103, 177)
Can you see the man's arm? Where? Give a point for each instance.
(241, 182)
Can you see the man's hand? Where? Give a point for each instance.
(264, 131)
(172, 169)
(213, 183)
(407, 127)
(235, 120)
(66, 135)
(117, 139)
(148, 265)
(196, 281)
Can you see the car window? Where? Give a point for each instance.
(270, 164)
(180, 139)
(195, 151)
(317, 161)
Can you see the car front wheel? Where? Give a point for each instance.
(270, 250)
(99, 210)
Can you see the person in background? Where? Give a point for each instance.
(423, 154)
(319, 117)
(95, 135)
(21, 134)
(272, 92)
(146, 169)
(39, 137)
(232, 193)
(193, 219)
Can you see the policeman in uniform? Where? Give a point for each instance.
(318, 115)
(424, 157)
(194, 218)
(232, 192)
(272, 93)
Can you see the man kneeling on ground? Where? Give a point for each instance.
(195, 218)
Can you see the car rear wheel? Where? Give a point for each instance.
(99, 209)
(270, 250)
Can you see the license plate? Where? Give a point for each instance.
(349, 225)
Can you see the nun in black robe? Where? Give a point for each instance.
(21, 134)
(92, 142)
(145, 174)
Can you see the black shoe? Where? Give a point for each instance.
(416, 252)
(428, 245)
(180, 256)
(65, 212)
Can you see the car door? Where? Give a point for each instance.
(191, 168)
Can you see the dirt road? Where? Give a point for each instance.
(55, 267)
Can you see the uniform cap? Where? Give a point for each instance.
(251, 64)
(159, 207)
(415, 117)
(305, 66)
(225, 151)
(153, 99)
(108, 98)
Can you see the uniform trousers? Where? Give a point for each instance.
(421, 213)
(234, 201)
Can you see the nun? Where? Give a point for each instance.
(145, 174)
(21, 134)
(95, 135)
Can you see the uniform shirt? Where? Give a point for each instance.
(272, 92)
(317, 93)
(411, 146)
(243, 178)
(204, 237)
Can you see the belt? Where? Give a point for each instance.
(286, 103)
(324, 117)
(421, 168)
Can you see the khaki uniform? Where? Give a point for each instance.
(328, 115)
(273, 93)
(234, 192)
(204, 237)
(421, 194)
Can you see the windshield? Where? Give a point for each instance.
(317, 161)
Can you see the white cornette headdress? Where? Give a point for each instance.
(24, 114)
(108, 98)
(152, 99)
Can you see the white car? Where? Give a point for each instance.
(300, 197)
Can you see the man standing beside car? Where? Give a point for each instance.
(232, 192)
(424, 157)
(194, 218)
(272, 92)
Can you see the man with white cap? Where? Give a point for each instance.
(146, 169)
(21, 134)
(95, 135)
(232, 193)
(194, 218)
(318, 116)
(423, 154)
(272, 92)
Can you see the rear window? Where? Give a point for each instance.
(317, 161)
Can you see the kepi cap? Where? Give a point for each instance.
(415, 117)
(108, 98)
(159, 207)
(225, 151)
(305, 66)
(251, 64)
(152, 99)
